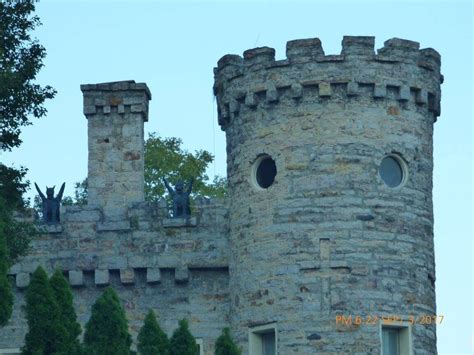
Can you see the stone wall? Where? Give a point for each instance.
(179, 268)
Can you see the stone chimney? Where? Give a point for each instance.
(116, 113)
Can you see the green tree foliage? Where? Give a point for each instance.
(21, 58)
(107, 329)
(14, 235)
(6, 295)
(165, 157)
(46, 334)
(20, 99)
(13, 186)
(182, 342)
(17, 234)
(80, 195)
(152, 340)
(64, 299)
(225, 345)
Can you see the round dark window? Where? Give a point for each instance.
(392, 171)
(265, 171)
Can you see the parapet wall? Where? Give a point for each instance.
(178, 267)
(147, 239)
(399, 70)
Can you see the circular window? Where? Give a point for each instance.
(264, 172)
(393, 170)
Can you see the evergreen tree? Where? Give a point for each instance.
(63, 296)
(6, 295)
(46, 335)
(107, 329)
(151, 339)
(182, 342)
(225, 345)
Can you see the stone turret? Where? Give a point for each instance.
(116, 113)
(330, 164)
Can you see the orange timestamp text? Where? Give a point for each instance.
(349, 319)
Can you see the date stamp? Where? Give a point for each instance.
(352, 319)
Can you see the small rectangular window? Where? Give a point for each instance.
(200, 347)
(396, 340)
(391, 341)
(263, 340)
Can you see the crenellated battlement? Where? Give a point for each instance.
(353, 47)
(400, 71)
(107, 98)
(87, 246)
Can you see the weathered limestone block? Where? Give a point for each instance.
(127, 276)
(113, 226)
(234, 106)
(380, 90)
(422, 97)
(325, 89)
(272, 94)
(404, 94)
(50, 228)
(153, 275)
(168, 260)
(113, 262)
(251, 100)
(181, 274)
(101, 277)
(352, 88)
(180, 222)
(296, 90)
(22, 279)
(76, 278)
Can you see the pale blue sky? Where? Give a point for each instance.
(173, 47)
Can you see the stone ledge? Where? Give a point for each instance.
(309, 265)
(124, 85)
(179, 222)
(113, 226)
(50, 228)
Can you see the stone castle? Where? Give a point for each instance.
(324, 244)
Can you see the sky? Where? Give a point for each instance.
(174, 45)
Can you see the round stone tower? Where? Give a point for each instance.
(329, 163)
